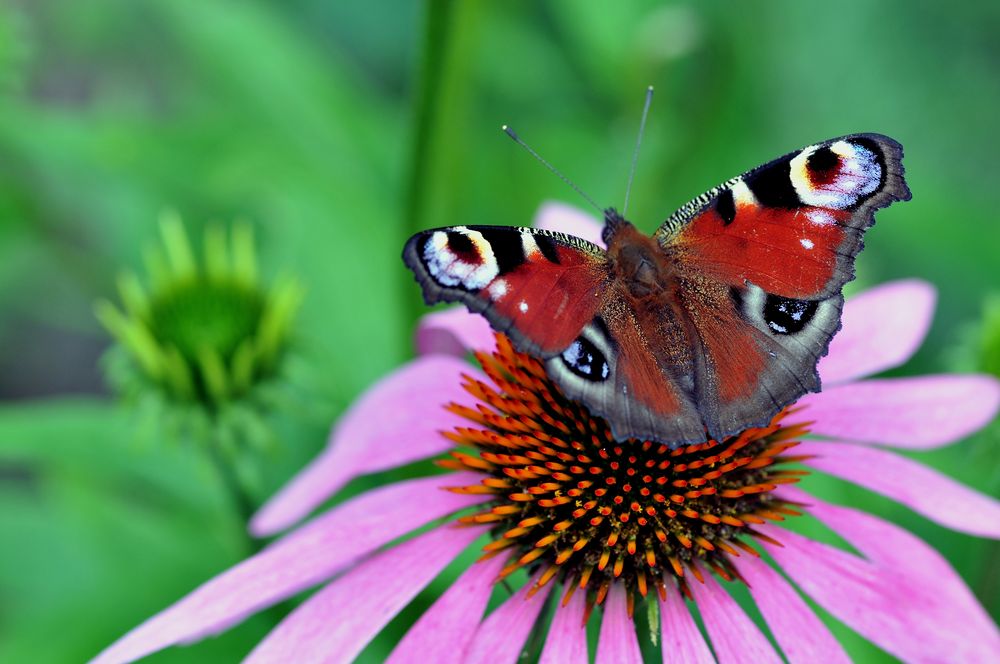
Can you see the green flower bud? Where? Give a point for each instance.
(202, 334)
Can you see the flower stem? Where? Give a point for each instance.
(238, 495)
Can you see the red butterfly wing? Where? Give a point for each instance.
(793, 226)
(632, 366)
(538, 287)
(761, 261)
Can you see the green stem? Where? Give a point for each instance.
(433, 56)
(238, 495)
(244, 506)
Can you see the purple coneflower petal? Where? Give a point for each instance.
(563, 218)
(397, 421)
(501, 637)
(566, 642)
(735, 637)
(303, 558)
(682, 640)
(444, 631)
(853, 590)
(926, 491)
(916, 413)
(618, 643)
(801, 634)
(883, 327)
(895, 548)
(453, 331)
(900, 601)
(338, 621)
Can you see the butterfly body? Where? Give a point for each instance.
(709, 326)
(636, 260)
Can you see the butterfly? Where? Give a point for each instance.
(710, 326)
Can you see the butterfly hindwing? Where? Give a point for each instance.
(749, 371)
(615, 369)
(538, 287)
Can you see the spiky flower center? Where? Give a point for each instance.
(583, 508)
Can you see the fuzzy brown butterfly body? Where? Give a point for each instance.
(710, 326)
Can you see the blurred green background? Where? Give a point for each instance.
(337, 129)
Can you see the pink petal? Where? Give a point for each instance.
(444, 632)
(848, 587)
(882, 329)
(682, 640)
(453, 331)
(618, 643)
(502, 635)
(566, 642)
(896, 601)
(892, 547)
(303, 558)
(735, 638)
(397, 421)
(337, 622)
(936, 496)
(801, 634)
(563, 218)
(916, 413)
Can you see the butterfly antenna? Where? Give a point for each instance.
(510, 132)
(638, 142)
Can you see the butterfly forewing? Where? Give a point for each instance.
(793, 226)
(538, 287)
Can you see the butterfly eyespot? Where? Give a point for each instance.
(787, 316)
(839, 175)
(460, 257)
(586, 361)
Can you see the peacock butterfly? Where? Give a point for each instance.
(710, 326)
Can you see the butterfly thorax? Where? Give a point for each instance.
(636, 260)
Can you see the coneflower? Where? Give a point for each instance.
(597, 526)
